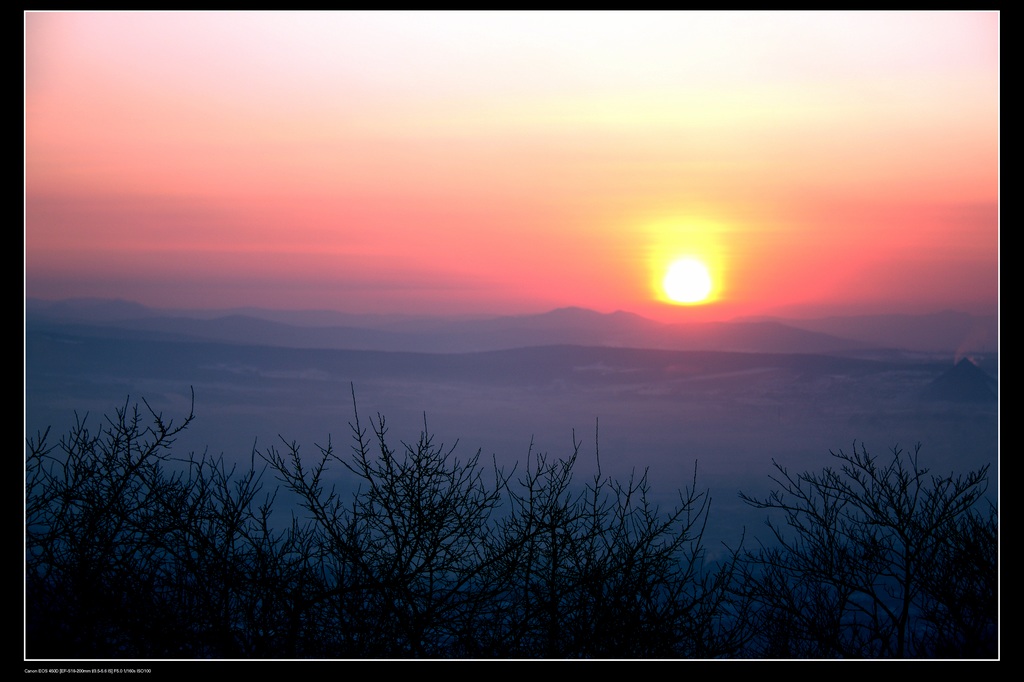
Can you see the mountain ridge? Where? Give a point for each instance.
(946, 332)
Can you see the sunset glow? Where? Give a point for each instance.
(512, 162)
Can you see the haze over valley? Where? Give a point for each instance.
(727, 410)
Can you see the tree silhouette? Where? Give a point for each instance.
(601, 571)
(861, 565)
(410, 551)
(401, 562)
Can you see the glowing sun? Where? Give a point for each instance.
(687, 281)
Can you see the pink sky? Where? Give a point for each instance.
(493, 163)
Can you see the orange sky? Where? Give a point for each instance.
(514, 162)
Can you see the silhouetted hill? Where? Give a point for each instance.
(86, 310)
(568, 326)
(964, 382)
(143, 356)
(946, 331)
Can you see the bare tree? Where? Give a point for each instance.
(403, 559)
(598, 570)
(854, 566)
(96, 556)
(411, 551)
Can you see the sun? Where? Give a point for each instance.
(687, 281)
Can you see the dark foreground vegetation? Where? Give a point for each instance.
(135, 551)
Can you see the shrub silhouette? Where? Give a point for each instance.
(410, 551)
(399, 566)
(875, 559)
(599, 571)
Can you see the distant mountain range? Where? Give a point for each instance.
(949, 333)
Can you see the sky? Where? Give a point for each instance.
(485, 163)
